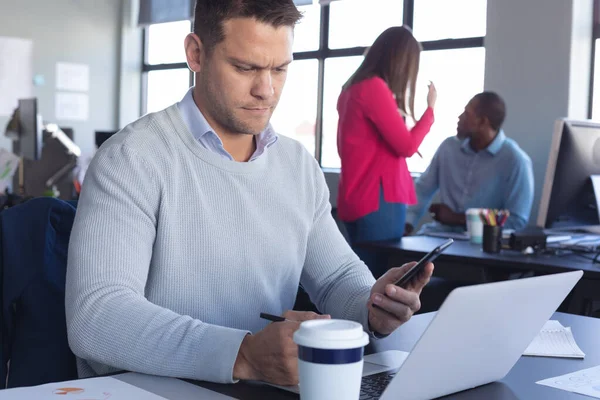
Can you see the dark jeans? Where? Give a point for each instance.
(386, 223)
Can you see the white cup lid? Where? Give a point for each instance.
(474, 211)
(331, 334)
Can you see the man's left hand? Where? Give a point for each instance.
(395, 305)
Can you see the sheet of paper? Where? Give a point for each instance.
(75, 77)
(554, 340)
(8, 165)
(585, 381)
(16, 73)
(72, 106)
(83, 389)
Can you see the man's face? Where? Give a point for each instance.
(468, 122)
(242, 79)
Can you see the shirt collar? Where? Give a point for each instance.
(195, 121)
(493, 148)
(199, 126)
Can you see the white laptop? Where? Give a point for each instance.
(493, 321)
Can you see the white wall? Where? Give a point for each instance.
(74, 31)
(538, 57)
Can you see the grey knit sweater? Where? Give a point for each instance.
(175, 251)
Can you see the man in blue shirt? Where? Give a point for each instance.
(478, 168)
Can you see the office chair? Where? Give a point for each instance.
(34, 239)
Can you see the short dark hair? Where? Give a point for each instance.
(491, 106)
(210, 15)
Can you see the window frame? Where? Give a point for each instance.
(321, 54)
(146, 67)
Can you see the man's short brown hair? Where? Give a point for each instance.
(210, 15)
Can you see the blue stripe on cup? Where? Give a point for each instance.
(337, 356)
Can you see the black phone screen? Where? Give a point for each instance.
(418, 267)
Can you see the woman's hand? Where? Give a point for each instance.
(432, 95)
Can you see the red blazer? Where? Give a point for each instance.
(373, 143)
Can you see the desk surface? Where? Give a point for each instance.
(465, 252)
(518, 384)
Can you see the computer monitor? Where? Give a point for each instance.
(103, 136)
(26, 130)
(568, 200)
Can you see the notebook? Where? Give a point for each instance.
(554, 340)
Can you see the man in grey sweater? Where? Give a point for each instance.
(195, 219)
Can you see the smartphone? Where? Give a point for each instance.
(418, 267)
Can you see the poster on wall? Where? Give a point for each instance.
(74, 77)
(72, 106)
(16, 73)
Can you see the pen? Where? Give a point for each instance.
(271, 317)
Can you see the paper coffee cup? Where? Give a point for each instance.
(330, 359)
(474, 225)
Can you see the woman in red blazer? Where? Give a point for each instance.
(373, 141)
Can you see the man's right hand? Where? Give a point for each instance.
(431, 95)
(271, 355)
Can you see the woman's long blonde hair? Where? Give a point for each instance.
(394, 57)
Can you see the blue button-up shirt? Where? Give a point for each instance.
(500, 176)
(206, 136)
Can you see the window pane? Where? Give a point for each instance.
(306, 33)
(354, 23)
(337, 72)
(596, 94)
(165, 42)
(443, 19)
(166, 87)
(457, 82)
(296, 113)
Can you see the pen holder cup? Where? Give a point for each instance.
(492, 239)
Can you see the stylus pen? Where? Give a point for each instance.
(272, 318)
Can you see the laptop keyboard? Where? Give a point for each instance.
(372, 386)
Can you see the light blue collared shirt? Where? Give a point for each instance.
(500, 176)
(206, 136)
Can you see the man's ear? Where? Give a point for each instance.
(194, 52)
(484, 122)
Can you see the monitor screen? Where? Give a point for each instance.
(29, 142)
(103, 136)
(568, 199)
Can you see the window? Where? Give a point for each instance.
(306, 34)
(456, 83)
(443, 19)
(165, 87)
(166, 76)
(329, 44)
(296, 112)
(163, 40)
(348, 26)
(337, 72)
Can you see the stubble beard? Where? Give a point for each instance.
(225, 116)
